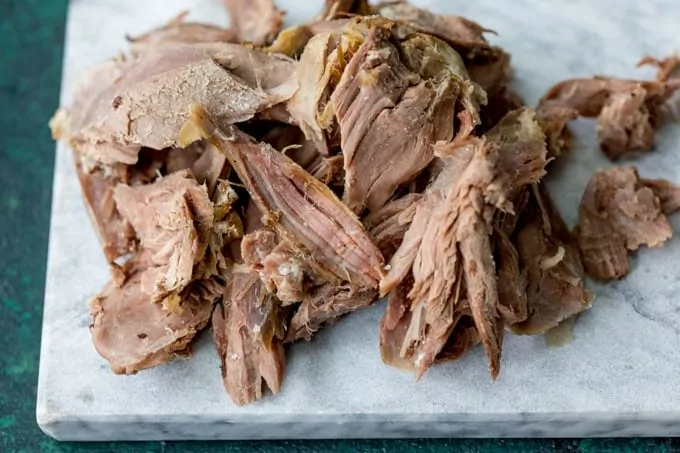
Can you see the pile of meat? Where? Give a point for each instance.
(266, 182)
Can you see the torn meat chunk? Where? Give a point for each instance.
(627, 111)
(173, 219)
(116, 235)
(390, 112)
(281, 266)
(248, 332)
(667, 66)
(618, 213)
(291, 141)
(177, 32)
(492, 73)
(254, 21)
(326, 304)
(133, 333)
(668, 194)
(463, 338)
(302, 210)
(512, 282)
(464, 35)
(388, 225)
(339, 8)
(554, 121)
(125, 105)
(447, 248)
(551, 262)
(314, 72)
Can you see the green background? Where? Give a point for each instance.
(32, 34)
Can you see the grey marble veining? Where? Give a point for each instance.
(618, 377)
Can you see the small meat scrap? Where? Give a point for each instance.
(618, 213)
(551, 263)
(123, 106)
(248, 334)
(303, 211)
(324, 305)
(178, 32)
(392, 103)
(133, 333)
(627, 111)
(173, 219)
(667, 66)
(668, 193)
(255, 21)
(447, 248)
(281, 266)
(466, 36)
(317, 77)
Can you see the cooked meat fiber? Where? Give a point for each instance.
(255, 21)
(248, 332)
(281, 266)
(667, 66)
(388, 225)
(512, 282)
(302, 210)
(627, 111)
(447, 248)
(551, 263)
(314, 74)
(668, 194)
(116, 235)
(464, 35)
(392, 104)
(618, 213)
(133, 333)
(339, 8)
(177, 32)
(325, 304)
(173, 219)
(123, 106)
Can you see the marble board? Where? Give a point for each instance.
(619, 376)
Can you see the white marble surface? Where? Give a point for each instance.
(618, 377)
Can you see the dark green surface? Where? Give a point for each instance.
(30, 68)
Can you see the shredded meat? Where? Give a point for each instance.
(667, 66)
(618, 213)
(338, 8)
(281, 266)
(115, 233)
(447, 248)
(552, 265)
(254, 21)
(326, 304)
(667, 192)
(172, 218)
(388, 225)
(410, 107)
(302, 210)
(133, 333)
(464, 35)
(627, 111)
(125, 105)
(247, 331)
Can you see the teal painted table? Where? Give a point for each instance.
(30, 70)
